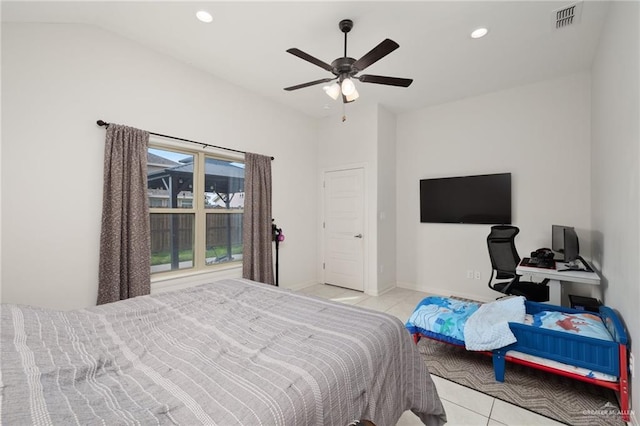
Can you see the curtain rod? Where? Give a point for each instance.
(103, 123)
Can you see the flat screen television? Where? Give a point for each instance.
(481, 199)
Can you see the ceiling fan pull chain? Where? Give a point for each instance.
(344, 113)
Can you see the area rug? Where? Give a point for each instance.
(565, 400)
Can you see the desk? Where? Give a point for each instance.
(556, 279)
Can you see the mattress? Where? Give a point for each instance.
(228, 352)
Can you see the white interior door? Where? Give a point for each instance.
(344, 228)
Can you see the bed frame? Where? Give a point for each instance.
(590, 353)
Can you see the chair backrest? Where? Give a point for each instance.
(502, 250)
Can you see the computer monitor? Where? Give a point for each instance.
(557, 241)
(571, 245)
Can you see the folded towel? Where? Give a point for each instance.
(488, 327)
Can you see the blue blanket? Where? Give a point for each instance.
(441, 315)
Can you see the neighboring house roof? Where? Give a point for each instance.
(157, 160)
(220, 176)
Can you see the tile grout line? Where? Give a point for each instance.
(467, 408)
(493, 401)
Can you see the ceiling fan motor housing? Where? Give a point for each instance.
(345, 25)
(342, 67)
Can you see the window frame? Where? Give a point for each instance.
(198, 208)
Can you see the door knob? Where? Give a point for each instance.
(358, 236)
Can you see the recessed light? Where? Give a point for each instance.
(480, 32)
(204, 16)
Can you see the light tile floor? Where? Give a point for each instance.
(464, 406)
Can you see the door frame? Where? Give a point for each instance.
(321, 218)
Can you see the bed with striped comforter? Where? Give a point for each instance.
(224, 353)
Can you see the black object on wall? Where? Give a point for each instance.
(481, 199)
(277, 236)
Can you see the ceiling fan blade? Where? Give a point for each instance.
(302, 55)
(390, 81)
(311, 83)
(380, 51)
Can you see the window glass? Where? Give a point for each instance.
(224, 199)
(194, 232)
(223, 184)
(170, 179)
(224, 237)
(172, 241)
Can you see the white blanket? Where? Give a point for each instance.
(488, 327)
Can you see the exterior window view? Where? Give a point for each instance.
(190, 232)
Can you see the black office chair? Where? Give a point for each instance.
(504, 259)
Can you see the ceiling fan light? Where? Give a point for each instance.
(332, 90)
(348, 87)
(353, 96)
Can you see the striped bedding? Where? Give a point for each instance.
(223, 353)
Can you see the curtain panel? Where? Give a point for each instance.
(124, 269)
(257, 257)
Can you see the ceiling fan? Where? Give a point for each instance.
(345, 68)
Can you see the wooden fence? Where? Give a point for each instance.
(220, 228)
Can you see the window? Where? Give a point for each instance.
(187, 231)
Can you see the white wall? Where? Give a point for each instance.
(345, 144)
(616, 168)
(57, 80)
(386, 200)
(367, 139)
(540, 133)
(0, 196)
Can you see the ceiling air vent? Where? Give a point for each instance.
(568, 15)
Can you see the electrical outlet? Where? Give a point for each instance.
(469, 274)
(631, 365)
(477, 275)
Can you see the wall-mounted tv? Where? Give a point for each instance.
(482, 199)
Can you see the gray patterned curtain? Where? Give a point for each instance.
(257, 260)
(125, 237)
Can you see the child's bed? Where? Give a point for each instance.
(582, 345)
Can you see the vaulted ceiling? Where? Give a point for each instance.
(247, 41)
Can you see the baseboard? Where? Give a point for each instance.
(298, 287)
(380, 293)
(410, 286)
(193, 279)
(443, 292)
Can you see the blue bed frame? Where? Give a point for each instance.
(609, 357)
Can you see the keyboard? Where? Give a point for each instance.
(539, 263)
